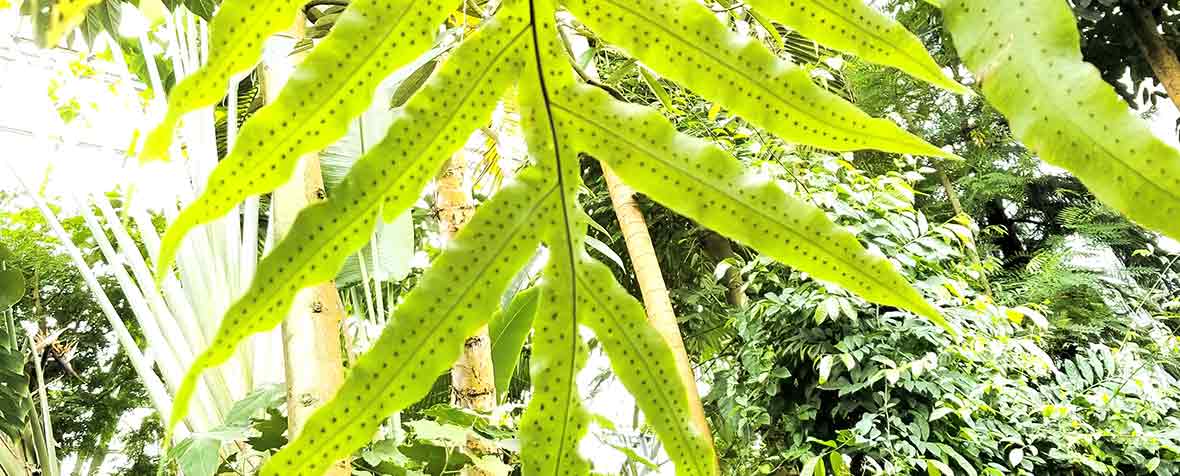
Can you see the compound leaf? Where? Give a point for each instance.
(331, 87)
(644, 363)
(426, 333)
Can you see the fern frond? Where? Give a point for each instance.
(555, 421)
(644, 363)
(701, 181)
(238, 32)
(685, 42)
(853, 27)
(330, 88)
(1027, 55)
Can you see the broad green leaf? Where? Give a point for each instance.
(1027, 57)
(853, 27)
(643, 361)
(508, 330)
(685, 42)
(12, 281)
(447, 435)
(810, 467)
(1016, 456)
(824, 369)
(197, 456)
(238, 33)
(333, 85)
(701, 181)
(64, 15)
(839, 467)
(389, 177)
(242, 411)
(426, 334)
(938, 468)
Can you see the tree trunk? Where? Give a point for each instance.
(473, 383)
(312, 359)
(720, 248)
(653, 289)
(1159, 55)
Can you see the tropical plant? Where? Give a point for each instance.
(684, 42)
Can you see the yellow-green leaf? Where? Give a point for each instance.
(331, 87)
(426, 332)
(1027, 56)
(643, 361)
(703, 182)
(685, 42)
(64, 16)
(391, 176)
(555, 421)
(238, 32)
(853, 27)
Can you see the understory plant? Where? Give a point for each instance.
(1024, 56)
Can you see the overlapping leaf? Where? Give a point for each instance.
(853, 27)
(426, 333)
(685, 42)
(555, 421)
(331, 87)
(644, 363)
(433, 125)
(508, 330)
(1027, 57)
(238, 33)
(701, 181)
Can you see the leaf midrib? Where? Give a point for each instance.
(566, 223)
